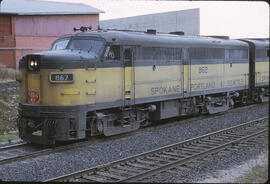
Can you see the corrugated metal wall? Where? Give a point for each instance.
(184, 20)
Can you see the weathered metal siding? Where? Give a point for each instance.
(7, 40)
(21, 35)
(53, 25)
(184, 20)
(6, 25)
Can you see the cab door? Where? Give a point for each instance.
(187, 74)
(128, 76)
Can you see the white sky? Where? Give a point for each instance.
(237, 19)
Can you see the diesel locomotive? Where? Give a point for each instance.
(107, 82)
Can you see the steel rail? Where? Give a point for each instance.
(183, 161)
(12, 146)
(38, 152)
(151, 167)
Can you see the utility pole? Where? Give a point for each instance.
(0, 4)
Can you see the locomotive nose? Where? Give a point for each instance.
(65, 56)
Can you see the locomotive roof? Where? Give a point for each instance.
(169, 40)
(263, 42)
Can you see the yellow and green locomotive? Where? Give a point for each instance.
(108, 82)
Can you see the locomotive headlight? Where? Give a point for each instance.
(33, 64)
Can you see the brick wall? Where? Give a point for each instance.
(31, 34)
(7, 40)
(5, 25)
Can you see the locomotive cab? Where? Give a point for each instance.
(59, 98)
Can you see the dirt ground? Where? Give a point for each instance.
(9, 100)
(242, 173)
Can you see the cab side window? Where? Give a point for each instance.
(112, 52)
(60, 44)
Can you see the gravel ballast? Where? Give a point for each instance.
(53, 165)
(9, 100)
(202, 169)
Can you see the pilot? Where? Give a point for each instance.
(111, 54)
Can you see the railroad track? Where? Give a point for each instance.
(9, 153)
(23, 151)
(146, 164)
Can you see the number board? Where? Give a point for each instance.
(62, 77)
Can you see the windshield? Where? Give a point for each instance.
(86, 45)
(60, 44)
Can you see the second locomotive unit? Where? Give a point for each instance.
(109, 82)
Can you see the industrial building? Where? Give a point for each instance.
(187, 21)
(28, 26)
